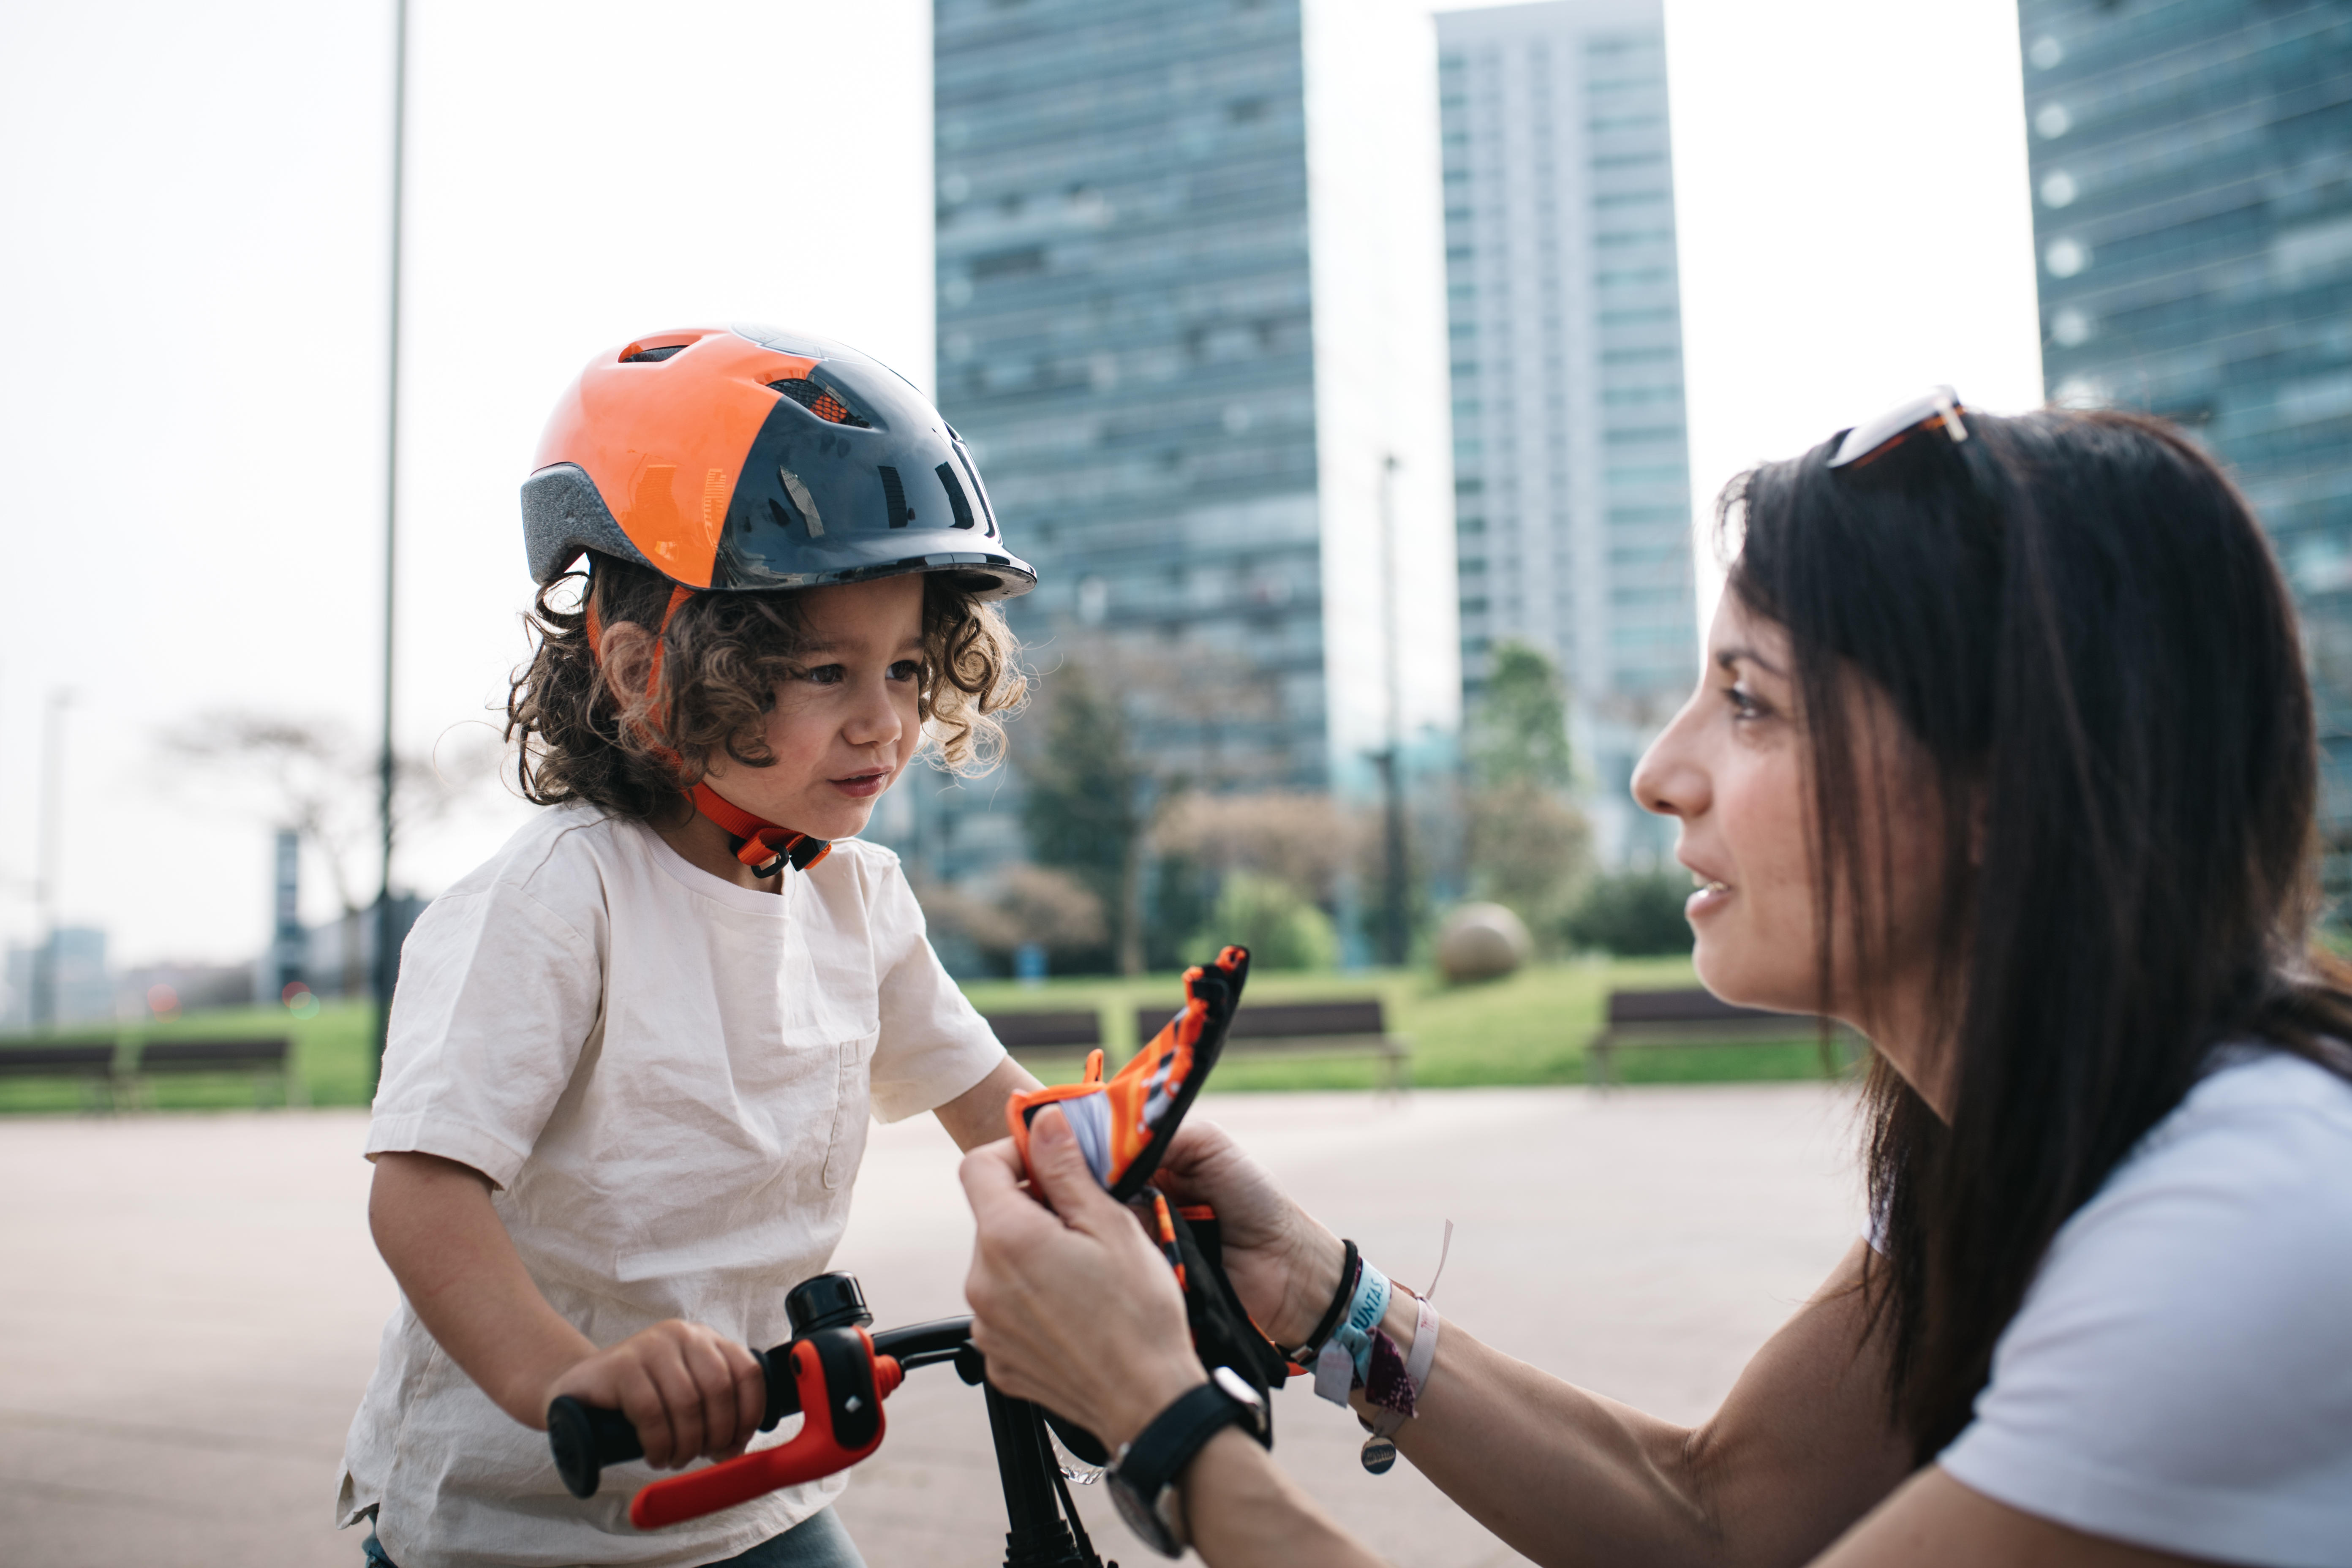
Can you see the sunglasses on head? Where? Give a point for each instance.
(1937, 411)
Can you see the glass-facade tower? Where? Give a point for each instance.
(1570, 464)
(2191, 163)
(1184, 337)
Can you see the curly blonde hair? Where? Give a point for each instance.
(724, 655)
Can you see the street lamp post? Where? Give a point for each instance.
(1395, 910)
(386, 959)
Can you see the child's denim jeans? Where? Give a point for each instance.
(816, 1541)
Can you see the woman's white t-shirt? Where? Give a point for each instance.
(668, 1076)
(2180, 1375)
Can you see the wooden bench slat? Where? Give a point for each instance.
(1307, 1044)
(1640, 1020)
(1348, 1026)
(1277, 1020)
(1685, 1007)
(57, 1061)
(1073, 1027)
(1282, 1020)
(262, 1060)
(1778, 1026)
(210, 1055)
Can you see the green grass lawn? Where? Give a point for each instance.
(1529, 1028)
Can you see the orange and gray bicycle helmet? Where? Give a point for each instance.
(747, 457)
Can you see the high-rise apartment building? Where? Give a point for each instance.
(1190, 317)
(2191, 163)
(1572, 472)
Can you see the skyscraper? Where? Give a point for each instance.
(2191, 163)
(1191, 320)
(1570, 468)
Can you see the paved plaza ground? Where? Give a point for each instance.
(189, 1304)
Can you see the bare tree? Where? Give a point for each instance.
(312, 777)
(1118, 728)
(1027, 904)
(1303, 839)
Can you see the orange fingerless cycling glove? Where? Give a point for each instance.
(1124, 1125)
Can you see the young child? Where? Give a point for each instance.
(632, 1058)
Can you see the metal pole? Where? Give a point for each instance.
(1395, 915)
(386, 959)
(45, 887)
(1035, 1536)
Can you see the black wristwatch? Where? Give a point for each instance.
(1143, 1475)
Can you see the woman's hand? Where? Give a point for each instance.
(1284, 1263)
(1072, 1305)
(690, 1392)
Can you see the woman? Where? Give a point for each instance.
(2004, 756)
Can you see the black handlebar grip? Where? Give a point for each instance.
(587, 1437)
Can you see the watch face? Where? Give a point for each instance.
(1142, 1518)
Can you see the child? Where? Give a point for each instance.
(632, 1058)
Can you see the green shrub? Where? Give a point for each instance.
(1282, 930)
(1633, 915)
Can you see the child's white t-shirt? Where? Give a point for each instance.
(669, 1077)
(2180, 1374)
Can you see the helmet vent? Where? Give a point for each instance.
(821, 401)
(961, 507)
(893, 497)
(802, 500)
(972, 474)
(651, 356)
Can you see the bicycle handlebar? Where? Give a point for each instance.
(835, 1377)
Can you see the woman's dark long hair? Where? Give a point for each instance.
(2079, 619)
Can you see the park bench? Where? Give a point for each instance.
(1070, 1032)
(1649, 1019)
(91, 1065)
(262, 1060)
(1352, 1026)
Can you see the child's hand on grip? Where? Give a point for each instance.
(689, 1392)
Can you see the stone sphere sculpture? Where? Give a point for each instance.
(1481, 942)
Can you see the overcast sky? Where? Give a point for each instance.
(194, 274)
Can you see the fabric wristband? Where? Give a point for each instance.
(1417, 1366)
(1346, 1355)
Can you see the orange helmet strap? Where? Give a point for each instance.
(595, 628)
(677, 595)
(759, 843)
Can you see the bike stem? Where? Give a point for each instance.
(1032, 1499)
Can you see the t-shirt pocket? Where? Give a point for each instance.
(851, 1111)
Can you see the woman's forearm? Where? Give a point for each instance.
(1242, 1512)
(1800, 1449)
(1564, 1476)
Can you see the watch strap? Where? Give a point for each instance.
(1157, 1454)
